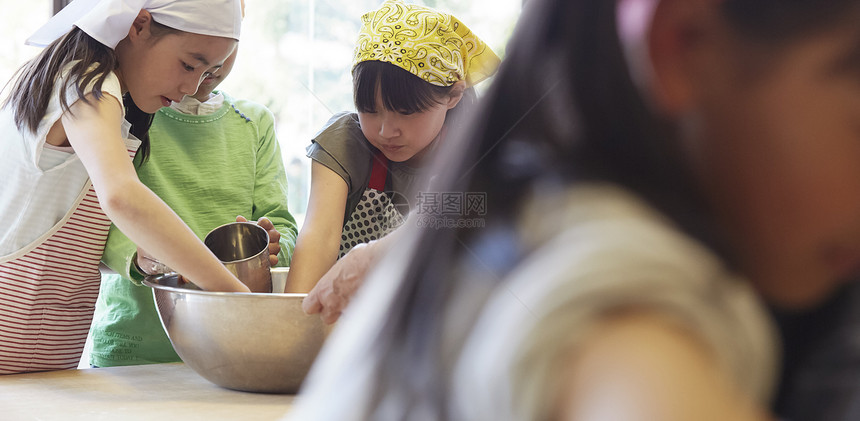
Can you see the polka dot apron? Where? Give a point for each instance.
(375, 215)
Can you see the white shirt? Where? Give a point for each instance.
(40, 184)
(193, 106)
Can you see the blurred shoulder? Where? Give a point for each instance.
(597, 250)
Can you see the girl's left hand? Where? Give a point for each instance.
(274, 237)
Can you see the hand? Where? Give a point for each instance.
(150, 265)
(334, 290)
(274, 237)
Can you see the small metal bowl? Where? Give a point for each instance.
(243, 248)
(254, 342)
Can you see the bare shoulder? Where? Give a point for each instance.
(105, 108)
(640, 365)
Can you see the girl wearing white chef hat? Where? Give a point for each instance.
(66, 170)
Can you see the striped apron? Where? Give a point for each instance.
(48, 295)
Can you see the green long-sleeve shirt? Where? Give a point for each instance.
(208, 169)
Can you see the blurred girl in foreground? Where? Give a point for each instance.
(655, 167)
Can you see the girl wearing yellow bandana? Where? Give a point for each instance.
(414, 71)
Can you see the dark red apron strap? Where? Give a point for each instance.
(378, 172)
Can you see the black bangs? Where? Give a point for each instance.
(402, 91)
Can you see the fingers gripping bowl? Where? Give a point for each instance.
(255, 342)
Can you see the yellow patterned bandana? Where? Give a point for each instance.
(434, 46)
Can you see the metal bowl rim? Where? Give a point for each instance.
(269, 295)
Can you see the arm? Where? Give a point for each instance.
(318, 243)
(335, 289)
(270, 191)
(118, 254)
(92, 130)
(639, 366)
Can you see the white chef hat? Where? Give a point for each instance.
(108, 21)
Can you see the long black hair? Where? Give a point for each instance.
(34, 81)
(563, 109)
(89, 61)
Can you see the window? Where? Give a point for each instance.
(19, 20)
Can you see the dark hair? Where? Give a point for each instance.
(140, 122)
(34, 81)
(563, 109)
(93, 61)
(401, 90)
(776, 21)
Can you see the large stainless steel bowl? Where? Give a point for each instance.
(255, 342)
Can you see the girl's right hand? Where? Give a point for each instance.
(335, 289)
(149, 265)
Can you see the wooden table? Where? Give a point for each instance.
(160, 392)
